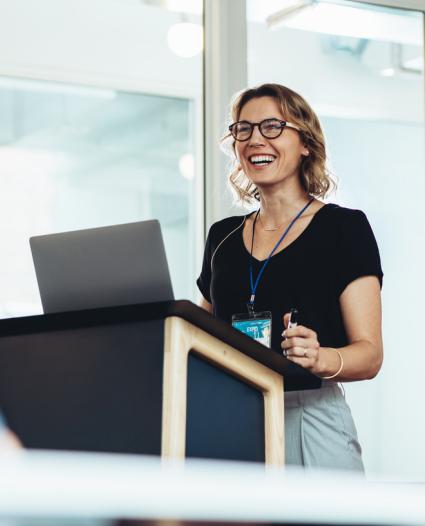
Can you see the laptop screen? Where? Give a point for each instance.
(102, 267)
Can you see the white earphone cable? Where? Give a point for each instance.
(223, 240)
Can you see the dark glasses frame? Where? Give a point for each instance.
(283, 124)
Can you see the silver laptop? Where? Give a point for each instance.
(102, 267)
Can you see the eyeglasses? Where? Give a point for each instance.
(269, 128)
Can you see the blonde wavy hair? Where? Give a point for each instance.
(314, 174)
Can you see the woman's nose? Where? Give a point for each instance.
(256, 137)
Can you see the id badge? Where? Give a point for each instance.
(256, 325)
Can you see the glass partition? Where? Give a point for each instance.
(94, 135)
(361, 68)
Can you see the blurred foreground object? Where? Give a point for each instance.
(82, 488)
(7, 439)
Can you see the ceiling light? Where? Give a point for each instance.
(388, 72)
(185, 39)
(359, 22)
(187, 166)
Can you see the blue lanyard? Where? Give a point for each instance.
(254, 286)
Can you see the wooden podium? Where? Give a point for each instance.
(162, 379)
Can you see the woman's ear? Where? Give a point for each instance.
(305, 152)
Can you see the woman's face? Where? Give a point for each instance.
(283, 154)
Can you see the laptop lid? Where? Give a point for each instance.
(102, 267)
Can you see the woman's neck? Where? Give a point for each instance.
(280, 207)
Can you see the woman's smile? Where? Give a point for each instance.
(260, 161)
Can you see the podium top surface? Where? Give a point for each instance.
(296, 378)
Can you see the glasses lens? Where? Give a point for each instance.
(241, 130)
(271, 128)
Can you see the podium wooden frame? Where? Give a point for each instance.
(181, 338)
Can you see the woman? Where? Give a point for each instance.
(297, 251)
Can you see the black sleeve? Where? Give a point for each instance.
(358, 253)
(204, 279)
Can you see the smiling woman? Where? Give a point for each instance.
(282, 103)
(297, 251)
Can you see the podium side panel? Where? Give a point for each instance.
(225, 416)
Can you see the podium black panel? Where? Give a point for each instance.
(101, 387)
(225, 416)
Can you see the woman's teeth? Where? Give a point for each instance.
(261, 160)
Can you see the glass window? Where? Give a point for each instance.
(361, 68)
(74, 156)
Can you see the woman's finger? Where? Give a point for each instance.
(300, 330)
(300, 342)
(286, 319)
(300, 360)
(301, 352)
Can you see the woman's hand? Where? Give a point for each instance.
(301, 346)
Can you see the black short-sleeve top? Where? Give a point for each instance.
(337, 247)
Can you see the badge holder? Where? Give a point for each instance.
(256, 325)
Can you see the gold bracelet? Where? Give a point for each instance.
(340, 367)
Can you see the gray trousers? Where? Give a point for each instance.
(320, 431)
